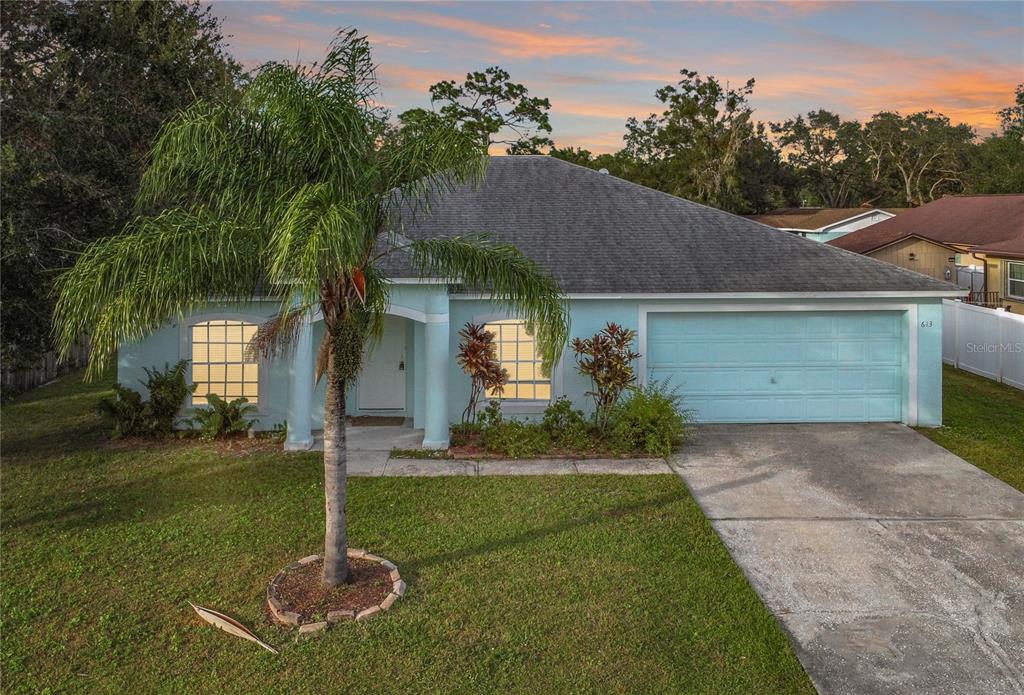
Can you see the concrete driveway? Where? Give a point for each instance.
(895, 566)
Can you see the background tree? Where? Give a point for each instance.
(297, 190)
(924, 155)
(492, 109)
(764, 180)
(997, 163)
(830, 157)
(85, 88)
(621, 164)
(704, 147)
(695, 143)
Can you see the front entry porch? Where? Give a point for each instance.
(404, 374)
(375, 438)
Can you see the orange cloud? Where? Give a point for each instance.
(966, 96)
(618, 111)
(416, 79)
(515, 43)
(604, 142)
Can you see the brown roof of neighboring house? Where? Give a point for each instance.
(812, 218)
(967, 220)
(1009, 247)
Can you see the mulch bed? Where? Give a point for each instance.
(473, 449)
(237, 445)
(302, 592)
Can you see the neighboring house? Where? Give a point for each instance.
(824, 224)
(956, 233)
(1004, 271)
(749, 323)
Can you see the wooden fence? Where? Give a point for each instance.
(15, 381)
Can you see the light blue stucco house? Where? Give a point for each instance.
(751, 323)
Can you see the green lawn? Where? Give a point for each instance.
(983, 422)
(559, 584)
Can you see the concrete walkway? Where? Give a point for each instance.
(379, 463)
(369, 454)
(895, 566)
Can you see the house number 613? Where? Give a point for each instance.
(926, 324)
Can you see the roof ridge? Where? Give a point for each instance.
(687, 201)
(648, 189)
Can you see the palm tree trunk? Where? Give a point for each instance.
(335, 481)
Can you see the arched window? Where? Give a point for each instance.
(219, 361)
(517, 353)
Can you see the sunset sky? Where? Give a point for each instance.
(600, 63)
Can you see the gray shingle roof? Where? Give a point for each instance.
(600, 234)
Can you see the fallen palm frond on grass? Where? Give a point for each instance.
(230, 626)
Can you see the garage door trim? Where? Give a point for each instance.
(767, 307)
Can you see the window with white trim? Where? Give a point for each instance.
(1015, 280)
(517, 353)
(219, 361)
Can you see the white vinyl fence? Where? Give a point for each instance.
(989, 342)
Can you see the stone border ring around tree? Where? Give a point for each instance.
(286, 618)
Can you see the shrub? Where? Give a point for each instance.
(516, 439)
(566, 426)
(607, 358)
(478, 357)
(491, 416)
(279, 432)
(224, 418)
(168, 392)
(127, 410)
(649, 421)
(511, 438)
(155, 417)
(463, 432)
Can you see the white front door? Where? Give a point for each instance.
(382, 381)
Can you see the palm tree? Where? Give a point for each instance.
(298, 189)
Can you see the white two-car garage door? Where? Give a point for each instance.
(841, 366)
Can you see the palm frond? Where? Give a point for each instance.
(422, 166)
(276, 336)
(510, 279)
(162, 267)
(319, 233)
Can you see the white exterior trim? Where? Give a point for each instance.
(865, 294)
(416, 314)
(705, 307)
(398, 310)
(848, 220)
(1006, 272)
(421, 281)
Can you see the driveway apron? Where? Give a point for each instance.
(895, 566)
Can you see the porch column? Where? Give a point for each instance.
(435, 435)
(419, 376)
(300, 390)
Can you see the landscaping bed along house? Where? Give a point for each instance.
(627, 420)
